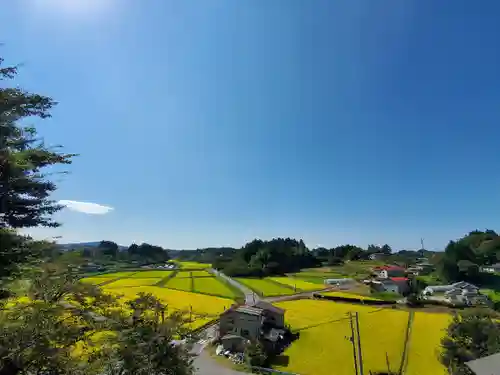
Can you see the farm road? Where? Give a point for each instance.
(205, 365)
(250, 296)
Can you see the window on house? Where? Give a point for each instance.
(245, 333)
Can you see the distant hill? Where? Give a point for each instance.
(78, 245)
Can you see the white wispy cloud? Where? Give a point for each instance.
(86, 207)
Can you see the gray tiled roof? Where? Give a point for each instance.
(250, 310)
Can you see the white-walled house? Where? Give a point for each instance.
(456, 288)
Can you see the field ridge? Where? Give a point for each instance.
(406, 345)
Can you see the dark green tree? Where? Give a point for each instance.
(386, 249)
(24, 187)
(51, 313)
(109, 249)
(40, 333)
(144, 345)
(472, 334)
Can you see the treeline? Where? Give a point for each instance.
(110, 251)
(463, 258)
(261, 258)
(283, 255)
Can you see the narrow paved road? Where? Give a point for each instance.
(206, 365)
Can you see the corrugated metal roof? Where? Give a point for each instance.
(267, 306)
(250, 310)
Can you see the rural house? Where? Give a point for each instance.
(386, 272)
(433, 289)
(492, 268)
(240, 324)
(398, 285)
(460, 292)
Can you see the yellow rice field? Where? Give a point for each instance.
(211, 285)
(179, 300)
(183, 274)
(125, 283)
(323, 345)
(96, 280)
(265, 287)
(201, 274)
(144, 274)
(194, 265)
(350, 295)
(118, 274)
(427, 331)
(297, 283)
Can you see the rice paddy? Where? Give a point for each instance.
(324, 343)
(266, 287)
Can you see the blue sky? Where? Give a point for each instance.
(206, 123)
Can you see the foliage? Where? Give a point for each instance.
(24, 188)
(16, 251)
(144, 343)
(49, 313)
(472, 334)
(255, 354)
(146, 253)
(274, 257)
(462, 258)
(108, 248)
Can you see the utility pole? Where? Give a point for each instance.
(353, 345)
(359, 345)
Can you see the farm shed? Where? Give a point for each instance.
(342, 281)
(394, 285)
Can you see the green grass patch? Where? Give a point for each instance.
(212, 286)
(296, 283)
(180, 283)
(266, 288)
